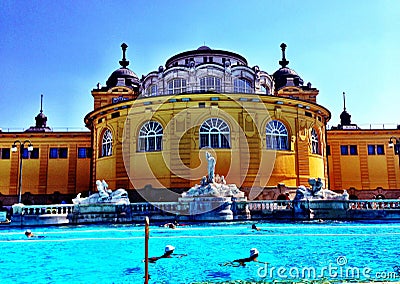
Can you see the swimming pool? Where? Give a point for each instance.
(115, 253)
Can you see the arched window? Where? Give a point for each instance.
(151, 90)
(106, 143)
(210, 83)
(277, 135)
(150, 137)
(176, 86)
(242, 86)
(315, 147)
(214, 133)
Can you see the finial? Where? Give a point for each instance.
(283, 62)
(344, 101)
(124, 63)
(41, 103)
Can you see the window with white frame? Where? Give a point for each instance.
(210, 84)
(277, 135)
(315, 147)
(150, 137)
(106, 143)
(176, 86)
(151, 90)
(215, 133)
(242, 86)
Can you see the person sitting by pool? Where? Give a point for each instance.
(168, 253)
(254, 227)
(253, 257)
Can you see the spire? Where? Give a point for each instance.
(283, 62)
(41, 103)
(344, 101)
(41, 120)
(124, 63)
(345, 117)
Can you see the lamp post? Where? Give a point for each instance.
(395, 146)
(21, 153)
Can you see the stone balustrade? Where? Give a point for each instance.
(243, 210)
(52, 209)
(374, 204)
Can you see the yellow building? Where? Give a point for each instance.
(55, 169)
(361, 161)
(150, 135)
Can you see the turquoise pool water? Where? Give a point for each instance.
(114, 254)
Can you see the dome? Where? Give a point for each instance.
(203, 47)
(130, 78)
(286, 77)
(123, 76)
(285, 71)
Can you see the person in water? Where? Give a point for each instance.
(254, 227)
(170, 225)
(253, 257)
(29, 234)
(168, 253)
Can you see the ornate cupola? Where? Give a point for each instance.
(285, 76)
(122, 85)
(123, 76)
(41, 121)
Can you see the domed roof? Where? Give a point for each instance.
(123, 76)
(203, 47)
(122, 73)
(285, 71)
(285, 76)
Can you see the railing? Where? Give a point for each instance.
(54, 129)
(375, 126)
(375, 204)
(177, 208)
(53, 209)
(269, 205)
(159, 208)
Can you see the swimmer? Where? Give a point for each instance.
(253, 257)
(29, 234)
(168, 253)
(254, 227)
(170, 225)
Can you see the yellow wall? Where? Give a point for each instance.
(363, 171)
(181, 163)
(43, 175)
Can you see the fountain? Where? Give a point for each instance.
(104, 206)
(318, 203)
(213, 199)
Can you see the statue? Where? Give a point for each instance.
(104, 195)
(210, 166)
(214, 185)
(316, 192)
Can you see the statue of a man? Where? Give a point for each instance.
(210, 166)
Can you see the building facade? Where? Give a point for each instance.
(263, 129)
(363, 161)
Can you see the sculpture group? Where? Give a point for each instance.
(213, 185)
(316, 192)
(104, 195)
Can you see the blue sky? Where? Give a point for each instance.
(61, 49)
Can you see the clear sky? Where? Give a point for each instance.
(62, 49)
